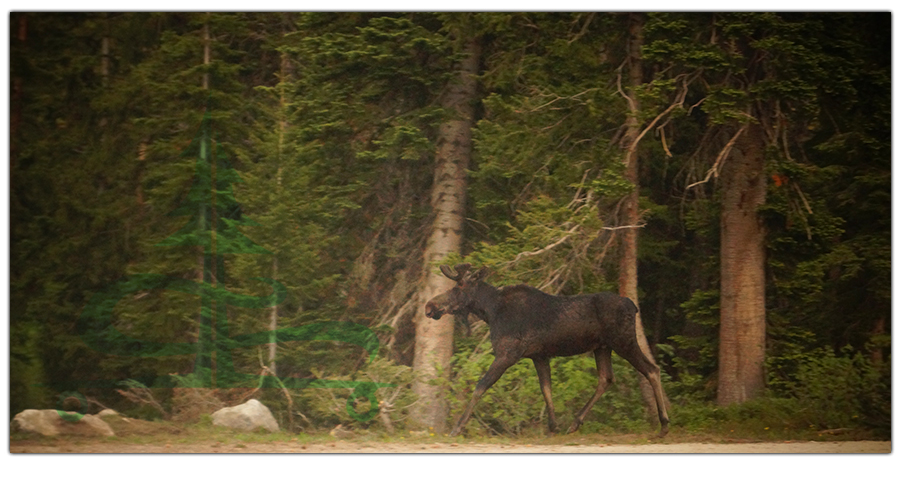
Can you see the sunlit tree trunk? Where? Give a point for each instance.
(742, 334)
(434, 339)
(628, 236)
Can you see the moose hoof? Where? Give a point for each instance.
(663, 431)
(574, 427)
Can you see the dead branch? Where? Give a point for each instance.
(580, 186)
(385, 409)
(636, 226)
(561, 98)
(805, 203)
(143, 395)
(547, 248)
(584, 28)
(606, 247)
(265, 369)
(714, 171)
(93, 401)
(631, 104)
(695, 105)
(662, 136)
(679, 102)
(308, 422)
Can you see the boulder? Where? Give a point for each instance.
(246, 417)
(55, 423)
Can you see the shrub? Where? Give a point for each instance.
(328, 407)
(843, 391)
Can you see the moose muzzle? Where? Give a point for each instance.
(433, 311)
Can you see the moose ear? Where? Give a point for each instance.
(481, 274)
(462, 270)
(458, 273)
(449, 272)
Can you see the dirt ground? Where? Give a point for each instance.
(353, 447)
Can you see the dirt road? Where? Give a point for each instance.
(353, 447)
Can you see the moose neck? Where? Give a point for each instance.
(485, 304)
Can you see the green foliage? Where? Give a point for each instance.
(328, 407)
(28, 388)
(515, 405)
(843, 391)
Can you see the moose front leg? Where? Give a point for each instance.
(497, 368)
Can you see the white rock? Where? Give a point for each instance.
(246, 417)
(51, 423)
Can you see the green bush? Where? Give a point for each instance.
(326, 408)
(843, 391)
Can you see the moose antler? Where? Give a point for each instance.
(460, 273)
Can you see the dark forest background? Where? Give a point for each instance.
(605, 153)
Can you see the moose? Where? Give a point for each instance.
(528, 323)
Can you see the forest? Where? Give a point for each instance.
(205, 206)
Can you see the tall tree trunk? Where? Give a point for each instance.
(742, 334)
(282, 129)
(434, 339)
(628, 238)
(204, 364)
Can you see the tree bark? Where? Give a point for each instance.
(742, 334)
(628, 278)
(434, 339)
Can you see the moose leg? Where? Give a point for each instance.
(648, 369)
(542, 365)
(603, 357)
(497, 368)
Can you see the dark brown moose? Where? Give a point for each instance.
(528, 323)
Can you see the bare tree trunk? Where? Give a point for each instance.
(204, 361)
(434, 339)
(282, 128)
(742, 334)
(628, 237)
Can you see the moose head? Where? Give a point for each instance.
(459, 299)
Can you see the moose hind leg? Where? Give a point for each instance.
(603, 357)
(542, 366)
(650, 370)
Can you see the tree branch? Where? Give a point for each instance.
(679, 102)
(616, 228)
(549, 247)
(719, 159)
